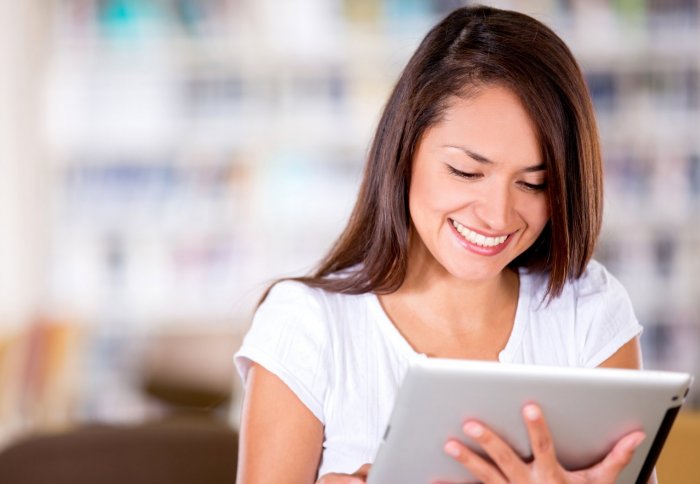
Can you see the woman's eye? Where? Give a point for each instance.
(533, 187)
(462, 174)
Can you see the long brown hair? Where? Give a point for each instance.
(471, 48)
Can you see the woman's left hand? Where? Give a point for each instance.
(508, 467)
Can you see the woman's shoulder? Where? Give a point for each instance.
(595, 284)
(298, 296)
(290, 290)
(584, 325)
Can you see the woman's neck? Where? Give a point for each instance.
(459, 303)
(441, 315)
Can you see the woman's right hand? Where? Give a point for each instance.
(358, 477)
(506, 466)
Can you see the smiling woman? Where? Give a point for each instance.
(471, 238)
(471, 190)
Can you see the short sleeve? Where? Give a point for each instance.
(609, 319)
(289, 337)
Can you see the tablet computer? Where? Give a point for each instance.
(587, 410)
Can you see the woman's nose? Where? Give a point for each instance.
(496, 207)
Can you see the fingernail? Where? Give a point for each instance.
(452, 448)
(638, 440)
(531, 412)
(473, 429)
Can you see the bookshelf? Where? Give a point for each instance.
(198, 149)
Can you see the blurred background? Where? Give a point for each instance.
(162, 160)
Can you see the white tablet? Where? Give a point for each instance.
(587, 411)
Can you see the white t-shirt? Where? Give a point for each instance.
(344, 359)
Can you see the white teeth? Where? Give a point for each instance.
(478, 239)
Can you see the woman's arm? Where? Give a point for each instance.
(628, 356)
(280, 439)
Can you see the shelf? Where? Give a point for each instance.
(198, 154)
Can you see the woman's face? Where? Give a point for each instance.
(477, 197)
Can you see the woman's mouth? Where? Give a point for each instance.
(477, 238)
(480, 243)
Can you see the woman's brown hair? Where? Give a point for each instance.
(474, 47)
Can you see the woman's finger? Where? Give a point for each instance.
(477, 465)
(502, 454)
(612, 465)
(540, 438)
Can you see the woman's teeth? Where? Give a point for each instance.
(476, 238)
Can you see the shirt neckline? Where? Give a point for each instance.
(504, 356)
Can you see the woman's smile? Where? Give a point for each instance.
(478, 242)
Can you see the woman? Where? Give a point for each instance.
(471, 238)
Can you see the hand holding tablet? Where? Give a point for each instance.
(507, 466)
(587, 413)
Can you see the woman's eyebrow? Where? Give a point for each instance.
(485, 160)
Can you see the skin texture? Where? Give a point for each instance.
(480, 166)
